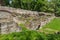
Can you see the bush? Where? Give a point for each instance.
(30, 35)
(57, 12)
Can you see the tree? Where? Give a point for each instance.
(35, 5)
(6, 2)
(56, 4)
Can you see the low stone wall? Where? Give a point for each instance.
(27, 13)
(17, 10)
(34, 21)
(9, 28)
(7, 25)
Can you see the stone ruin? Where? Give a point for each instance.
(7, 25)
(35, 21)
(8, 21)
(31, 19)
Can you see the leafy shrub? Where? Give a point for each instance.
(30, 35)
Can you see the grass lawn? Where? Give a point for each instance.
(53, 26)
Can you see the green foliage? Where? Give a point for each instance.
(30, 35)
(23, 27)
(34, 5)
(56, 7)
(57, 12)
(53, 37)
(6, 2)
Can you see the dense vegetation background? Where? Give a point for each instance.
(52, 6)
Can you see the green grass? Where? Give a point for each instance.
(23, 26)
(53, 26)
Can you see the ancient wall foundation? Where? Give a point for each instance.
(31, 19)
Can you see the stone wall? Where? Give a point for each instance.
(7, 25)
(33, 20)
(17, 10)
